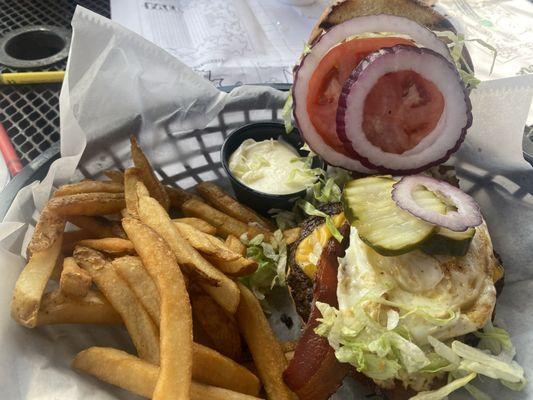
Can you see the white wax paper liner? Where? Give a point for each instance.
(119, 84)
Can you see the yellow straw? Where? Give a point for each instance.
(24, 78)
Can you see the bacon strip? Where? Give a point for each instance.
(314, 373)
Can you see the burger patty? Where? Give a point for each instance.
(300, 285)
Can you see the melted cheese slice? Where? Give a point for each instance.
(309, 250)
(439, 285)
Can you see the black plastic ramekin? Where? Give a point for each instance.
(259, 131)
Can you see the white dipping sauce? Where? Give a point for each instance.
(270, 166)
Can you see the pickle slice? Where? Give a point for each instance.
(446, 241)
(381, 224)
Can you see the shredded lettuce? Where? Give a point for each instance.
(308, 159)
(323, 186)
(437, 364)
(496, 340)
(444, 351)
(392, 319)
(412, 357)
(271, 258)
(287, 107)
(362, 342)
(285, 219)
(373, 366)
(302, 178)
(384, 34)
(383, 349)
(325, 191)
(286, 114)
(327, 188)
(310, 209)
(251, 168)
(495, 367)
(281, 248)
(456, 45)
(432, 315)
(476, 393)
(444, 391)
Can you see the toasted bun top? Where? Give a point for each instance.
(343, 10)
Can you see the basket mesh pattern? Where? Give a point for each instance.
(204, 164)
(196, 154)
(30, 113)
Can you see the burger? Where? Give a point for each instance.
(397, 285)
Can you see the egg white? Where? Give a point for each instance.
(441, 284)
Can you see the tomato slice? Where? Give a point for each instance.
(400, 110)
(329, 77)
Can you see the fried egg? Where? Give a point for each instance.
(453, 295)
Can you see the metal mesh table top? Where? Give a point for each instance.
(30, 113)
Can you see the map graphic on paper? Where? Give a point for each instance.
(227, 41)
(232, 42)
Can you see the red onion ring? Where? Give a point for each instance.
(467, 215)
(439, 144)
(335, 35)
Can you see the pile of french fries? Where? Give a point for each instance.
(170, 282)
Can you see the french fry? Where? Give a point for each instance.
(212, 368)
(289, 355)
(291, 235)
(132, 271)
(178, 196)
(142, 190)
(99, 227)
(112, 245)
(70, 239)
(225, 224)
(156, 189)
(288, 346)
(235, 244)
(31, 284)
(266, 350)
(239, 267)
(225, 292)
(199, 334)
(89, 186)
(74, 281)
(205, 243)
(125, 214)
(114, 175)
(221, 329)
(219, 199)
(140, 327)
(89, 204)
(209, 366)
(174, 379)
(199, 224)
(137, 376)
(56, 308)
(250, 366)
(131, 177)
(48, 229)
(58, 268)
